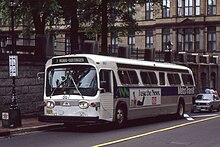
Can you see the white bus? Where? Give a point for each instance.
(88, 88)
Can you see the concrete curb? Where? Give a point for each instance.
(9, 132)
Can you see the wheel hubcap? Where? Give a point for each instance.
(181, 110)
(120, 116)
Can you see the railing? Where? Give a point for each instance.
(23, 46)
(27, 47)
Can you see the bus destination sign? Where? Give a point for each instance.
(69, 60)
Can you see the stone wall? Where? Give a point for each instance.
(29, 90)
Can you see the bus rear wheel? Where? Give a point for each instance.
(120, 116)
(180, 110)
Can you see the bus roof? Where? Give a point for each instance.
(101, 58)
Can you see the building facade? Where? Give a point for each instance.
(193, 29)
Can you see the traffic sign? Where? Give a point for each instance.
(13, 66)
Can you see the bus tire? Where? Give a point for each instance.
(180, 109)
(218, 109)
(120, 116)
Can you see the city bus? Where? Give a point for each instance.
(89, 88)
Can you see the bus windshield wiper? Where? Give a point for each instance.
(74, 83)
(63, 81)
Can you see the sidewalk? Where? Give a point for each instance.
(28, 125)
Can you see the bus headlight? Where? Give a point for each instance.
(83, 104)
(50, 104)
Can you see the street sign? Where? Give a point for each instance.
(13, 66)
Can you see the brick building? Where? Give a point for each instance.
(193, 27)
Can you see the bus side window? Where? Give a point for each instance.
(145, 78)
(124, 77)
(177, 79)
(105, 80)
(171, 79)
(162, 78)
(153, 78)
(133, 77)
(187, 79)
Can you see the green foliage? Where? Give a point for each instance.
(37, 14)
(5, 11)
(48, 10)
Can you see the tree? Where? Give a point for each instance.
(116, 16)
(34, 15)
(102, 17)
(70, 8)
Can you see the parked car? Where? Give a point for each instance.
(206, 102)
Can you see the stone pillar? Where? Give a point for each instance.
(202, 39)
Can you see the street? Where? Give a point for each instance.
(196, 129)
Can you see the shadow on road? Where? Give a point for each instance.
(103, 127)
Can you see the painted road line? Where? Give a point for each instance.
(207, 115)
(156, 131)
(188, 117)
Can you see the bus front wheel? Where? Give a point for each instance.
(121, 116)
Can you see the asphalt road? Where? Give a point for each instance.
(196, 130)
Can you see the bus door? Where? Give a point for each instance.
(106, 95)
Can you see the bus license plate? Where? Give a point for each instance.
(49, 111)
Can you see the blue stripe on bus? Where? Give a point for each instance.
(166, 91)
(124, 92)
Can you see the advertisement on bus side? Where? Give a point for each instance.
(145, 96)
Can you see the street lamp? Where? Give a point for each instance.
(168, 52)
(12, 5)
(14, 112)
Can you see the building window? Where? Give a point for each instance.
(165, 38)
(114, 47)
(188, 7)
(197, 40)
(131, 40)
(180, 8)
(131, 11)
(211, 46)
(149, 10)
(188, 46)
(179, 40)
(166, 8)
(211, 7)
(188, 40)
(149, 39)
(197, 7)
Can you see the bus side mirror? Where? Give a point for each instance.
(102, 90)
(103, 85)
(40, 75)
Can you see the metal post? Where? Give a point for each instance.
(14, 112)
(14, 101)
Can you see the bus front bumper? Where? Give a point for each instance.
(68, 119)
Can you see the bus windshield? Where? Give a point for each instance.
(60, 80)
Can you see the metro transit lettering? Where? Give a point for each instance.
(186, 90)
